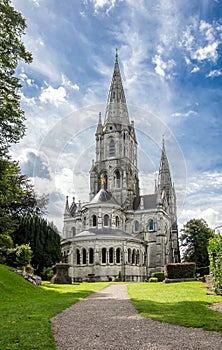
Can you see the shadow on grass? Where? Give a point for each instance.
(185, 313)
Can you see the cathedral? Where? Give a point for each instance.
(120, 235)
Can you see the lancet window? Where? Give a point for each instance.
(112, 151)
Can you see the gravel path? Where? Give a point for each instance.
(107, 320)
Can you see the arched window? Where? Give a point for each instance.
(77, 257)
(117, 221)
(94, 220)
(111, 255)
(103, 255)
(112, 151)
(118, 255)
(106, 220)
(84, 221)
(117, 179)
(84, 256)
(73, 231)
(129, 255)
(136, 226)
(151, 225)
(137, 257)
(91, 256)
(134, 256)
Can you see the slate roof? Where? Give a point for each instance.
(107, 231)
(149, 200)
(103, 196)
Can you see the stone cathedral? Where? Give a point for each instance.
(120, 235)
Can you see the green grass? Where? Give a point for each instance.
(183, 304)
(26, 310)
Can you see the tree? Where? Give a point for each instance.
(194, 240)
(20, 256)
(12, 50)
(17, 197)
(215, 256)
(43, 238)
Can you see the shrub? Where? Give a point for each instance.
(180, 270)
(47, 273)
(159, 275)
(153, 279)
(215, 256)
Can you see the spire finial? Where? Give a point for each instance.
(116, 54)
(163, 140)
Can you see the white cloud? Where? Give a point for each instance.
(101, 4)
(201, 40)
(36, 2)
(208, 52)
(214, 73)
(187, 60)
(210, 215)
(28, 101)
(190, 113)
(67, 83)
(163, 68)
(195, 69)
(203, 199)
(53, 96)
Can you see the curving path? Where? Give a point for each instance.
(107, 320)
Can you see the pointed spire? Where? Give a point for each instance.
(73, 207)
(164, 178)
(67, 210)
(116, 108)
(99, 126)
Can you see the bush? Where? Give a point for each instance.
(153, 279)
(47, 273)
(180, 270)
(159, 275)
(215, 256)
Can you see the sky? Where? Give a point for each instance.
(171, 65)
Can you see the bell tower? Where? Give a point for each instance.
(116, 148)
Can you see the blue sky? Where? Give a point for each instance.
(171, 65)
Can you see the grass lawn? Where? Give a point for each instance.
(183, 304)
(26, 310)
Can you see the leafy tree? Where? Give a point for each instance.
(43, 238)
(19, 256)
(194, 241)
(215, 255)
(12, 50)
(17, 198)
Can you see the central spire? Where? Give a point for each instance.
(116, 108)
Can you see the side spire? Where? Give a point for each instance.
(116, 108)
(67, 210)
(99, 126)
(164, 178)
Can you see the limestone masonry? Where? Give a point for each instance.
(120, 234)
